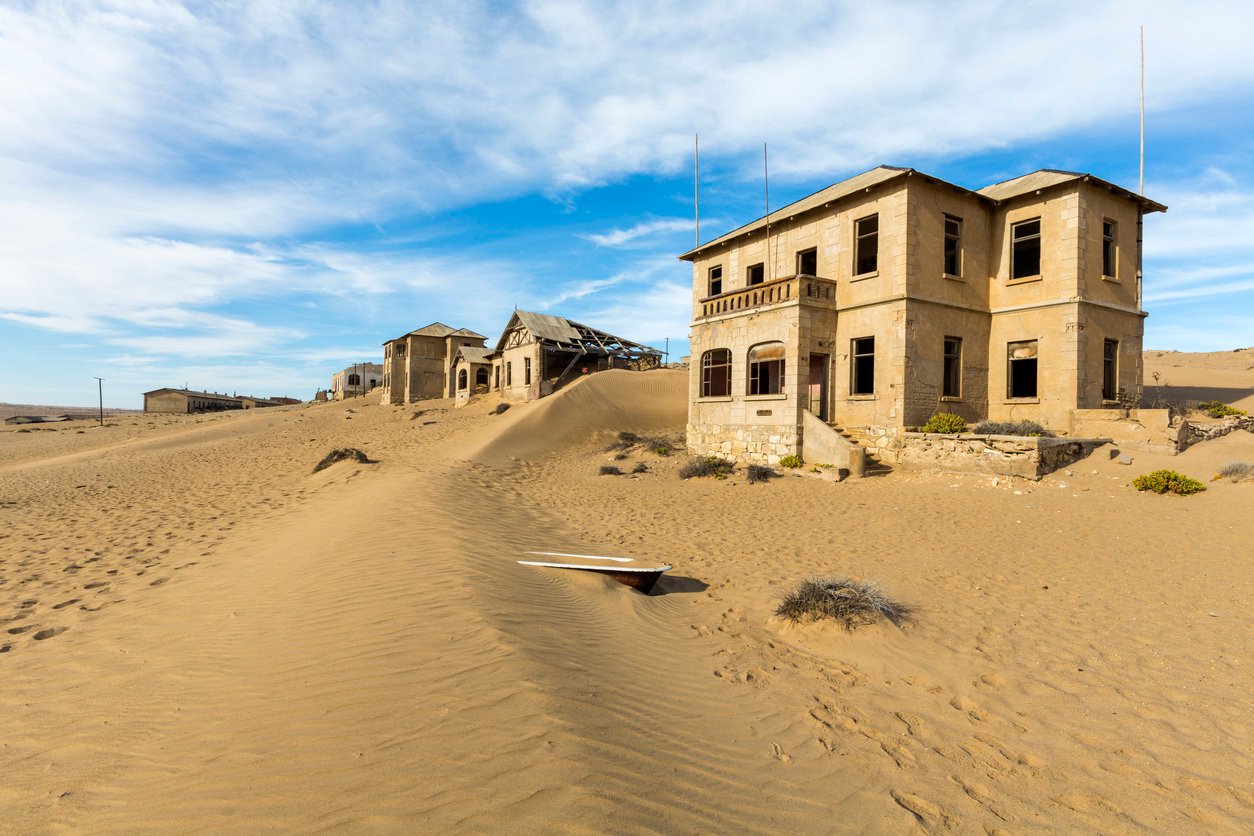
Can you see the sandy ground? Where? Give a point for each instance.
(199, 634)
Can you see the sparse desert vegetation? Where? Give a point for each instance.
(1168, 481)
(850, 603)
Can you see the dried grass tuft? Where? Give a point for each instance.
(851, 603)
(341, 455)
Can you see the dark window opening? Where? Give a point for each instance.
(1021, 377)
(866, 233)
(526, 371)
(766, 369)
(354, 380)
(951, 387)
(462, 379)
(481, 377)
(1110, 370)
(756, 274)
(509, 374)
(716, 280)
(953, 246)
(716, 373)
(808, 262)
(862, 366)
(1110, 249)
(1025, 252)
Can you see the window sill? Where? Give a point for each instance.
(952, 277)
(862, 276)
(715, 399)
(779, 396)
(869, 397)
(1024, 280)
(951, 399)
(1114, 279)
(1021, 400)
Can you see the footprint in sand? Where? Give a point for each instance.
(780, 754)
(969, 708)
(49, 633)
(96, 585)
(931, 816)
(65, 604)
(17, 631)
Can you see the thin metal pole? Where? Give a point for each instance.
(1142, 179)
(100, 391)
(766, 181)
(696, 186)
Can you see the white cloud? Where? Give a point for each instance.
(644, 229)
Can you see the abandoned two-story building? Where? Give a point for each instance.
(419, 365)
(879, 301)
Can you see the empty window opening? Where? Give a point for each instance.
(953, 246)
(951, 386)
(756, 274)
(1110, 249)
(716, 280)
(1110, 370)
(354, 380)
(1025, 249)
(526, 371)
(866, 233)
(509, 374)
(481, 377)
(808, 262)
(716, 373)
(766, 369)
(497, 378)
(862, 366)
(462, 379)
(1021, 376)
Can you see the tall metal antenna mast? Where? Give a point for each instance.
(766, 182)
(1142, 180)
(696, 185)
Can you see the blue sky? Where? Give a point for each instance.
(250, 196)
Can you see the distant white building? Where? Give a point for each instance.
(357, 379)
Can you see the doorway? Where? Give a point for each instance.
(818, 385)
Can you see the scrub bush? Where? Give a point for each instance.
(1167, 481)
(944, 422)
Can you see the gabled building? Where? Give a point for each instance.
(538, 352)
(357, 379)
(186, 401)
(879, 301)
(419, 365)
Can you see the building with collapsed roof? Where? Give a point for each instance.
(860, 311)
(419, 365)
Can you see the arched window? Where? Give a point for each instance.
(481, 377)
(716, 373)
(461, 379)
(766, 369)
(354, 380)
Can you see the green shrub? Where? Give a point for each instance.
(760, 473)
(945, 422)
(1237, 472)
(662, 450)
(1026, 428)
(1218, 409)
(1167, 481)
(791, 461)
(852, 603)
(715, 466)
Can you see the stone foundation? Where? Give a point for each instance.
(1205, 432)
(752, 444)
(999, 455)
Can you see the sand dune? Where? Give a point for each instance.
(202, 635)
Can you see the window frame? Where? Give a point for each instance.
(1016, 240)
(863, 238)
(862, 366)
(526, 371)
(1110, 249)
(765, 377)
(951, 370)
(713, 282)
(1110, 370)
(956, 251)
(463, 380)
(760, 269)
(809, 254)
(1034, 360)
(709, 367)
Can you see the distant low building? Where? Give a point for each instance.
(187, 401)
(357, 379)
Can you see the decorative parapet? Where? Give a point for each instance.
(790, 290)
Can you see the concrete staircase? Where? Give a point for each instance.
(872, 466)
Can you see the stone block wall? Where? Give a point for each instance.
(747, 443)
(998, 455)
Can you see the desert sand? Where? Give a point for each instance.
(202, 635)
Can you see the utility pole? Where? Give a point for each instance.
(100, 392)
(668, 350)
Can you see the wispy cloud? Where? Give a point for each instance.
(644, 229)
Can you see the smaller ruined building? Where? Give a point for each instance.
(419, 365)
(186, 401)
(538, 353)
(357, 379)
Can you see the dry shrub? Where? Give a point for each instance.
(1237, 472)
(501, 407)
(610, 470)
(341, 455)
(715, 466)
(760, 473)
(640, 467)
(1021, 428)
(851, 603)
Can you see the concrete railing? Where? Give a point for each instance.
(790, 290)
